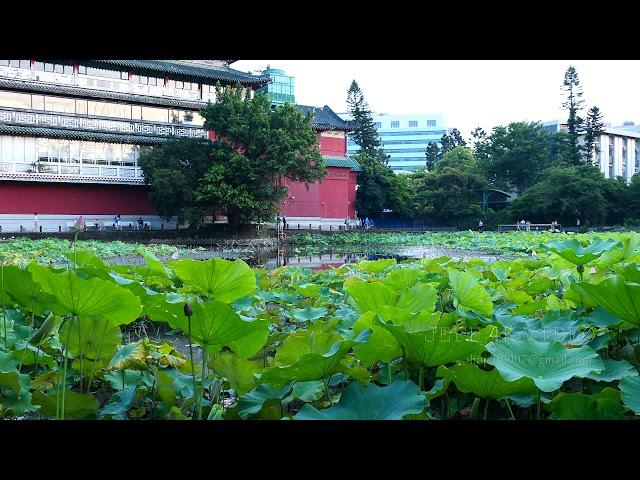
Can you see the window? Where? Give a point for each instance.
(48, 67)
(378, 124)
(431, 123)
(58, 68)
(611, 149)
(155, 114)
(637, 154)
(413, 123)
(395, 124)
(81, 107)
(179, 85)
(171, 83)
(153, 81)
(14, 63)
(124, 75)
(4, 63)
(59, 104)
(25, 64)
(15, 100)
(67, 69)
(39, 66)
(98, 72)
(82, 70)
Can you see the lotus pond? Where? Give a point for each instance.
(553, 333)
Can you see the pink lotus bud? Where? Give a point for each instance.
(187, 310)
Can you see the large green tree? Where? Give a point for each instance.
(239, 173)
(594, 127)
(512, 156)
(458, 157)
(573, 104)
(568, 193)
(452, 196)
(433, 155)
(365, 134)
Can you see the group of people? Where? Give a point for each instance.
(358, 224)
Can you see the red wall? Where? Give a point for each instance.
(74, 199)
(336, 147)
(334, 197)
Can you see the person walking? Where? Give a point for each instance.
(480, 225)
(35, 222)
(528, 226)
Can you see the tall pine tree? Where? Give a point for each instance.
(573, 103)
(433, 155)
(365, 134)
(594, 127)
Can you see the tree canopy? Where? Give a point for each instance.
(239, 173)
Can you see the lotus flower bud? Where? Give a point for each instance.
(187, 310)
(580, 268)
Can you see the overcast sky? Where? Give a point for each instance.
(469, 93)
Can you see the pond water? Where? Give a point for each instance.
(273, 257)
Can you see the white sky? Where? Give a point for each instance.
(469, 93)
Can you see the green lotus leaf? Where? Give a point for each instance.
(614, 370)
(308, 314)
(92, 338)
(85, 258)
(215, 325)
(156, 267)
(15, 381)
(470, 378)
(418, 298)
(371, 296)
(630, 388)
(318, 338)
(313, 366)
(306, 391)
(620, 298)
(372, 402)
(221, 279)
(48, 327)
(119, 403)
(469, 294)
(88, 298)
(381, 345)
(577, 406)
(20, 286)
(252, 403)
(548, 364)
(238, 372)
(119, 380)
(572, 251)
(309, 289)
(433, 347)
(401, 279)
(76, 405)
(601, 318)
(131, 354)
(375, 266)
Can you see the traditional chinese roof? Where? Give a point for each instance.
(325, 119)
(345, 162)
(182, 71)
(40, 87)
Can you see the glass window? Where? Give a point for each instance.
(39, 66)
(378, 124)
(413, 123)
(395, 124)
(58, 68)
(59, 104)
(48, 67)
(155, 114)
(4, 63)
(179, 84)
(136, 112)
(74, 153)
(99, 72)
(153, 81)
(128, 156)
(124, 75)
(195, 87)
(171, 83)
(82, 70)
(431, 123)
(143, 80)
(68, 69)
(88, 152)
(14, 63)
(15, 100)
(25, 63)
(81, 107)
(176, 116)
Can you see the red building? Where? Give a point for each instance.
(70, 134)
(332, 200)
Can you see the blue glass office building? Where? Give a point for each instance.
(405, 138)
